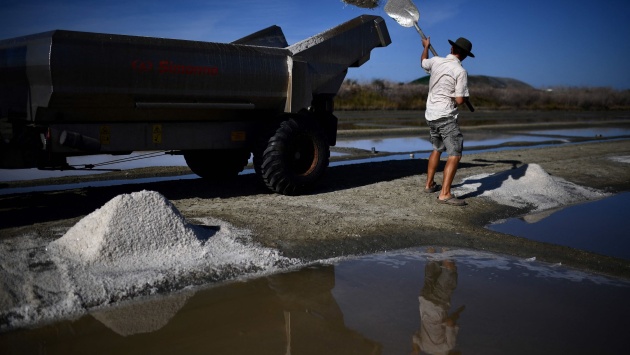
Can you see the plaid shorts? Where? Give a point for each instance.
(446, 136)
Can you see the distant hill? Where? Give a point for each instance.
(482, 80)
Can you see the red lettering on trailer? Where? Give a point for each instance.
(166, 66)
(142, 66)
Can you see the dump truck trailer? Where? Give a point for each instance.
(68, 93)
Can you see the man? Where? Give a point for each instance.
(448, 88)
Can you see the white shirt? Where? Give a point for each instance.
(448, 80)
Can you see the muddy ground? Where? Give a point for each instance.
(356, 209)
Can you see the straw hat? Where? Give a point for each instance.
(463, 44)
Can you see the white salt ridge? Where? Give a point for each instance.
(621, 159)
(133, 246)
(527, 186)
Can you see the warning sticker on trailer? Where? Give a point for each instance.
(105, 134)
(238, 136)
(157, 133)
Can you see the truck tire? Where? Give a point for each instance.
(217, 164)
(296, 157)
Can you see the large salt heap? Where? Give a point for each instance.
(133, 230)
(135, 245)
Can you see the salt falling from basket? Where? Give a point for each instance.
(367, 4)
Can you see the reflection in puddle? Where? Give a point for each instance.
(389, 303)
(142, 317)
(600, 226)
(438, 329)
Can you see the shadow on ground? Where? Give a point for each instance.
(495, 181)
(37, 207)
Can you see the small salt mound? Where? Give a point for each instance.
(141, 228)
(528, 185)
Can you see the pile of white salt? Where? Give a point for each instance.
(135, 245)
(138, 230)
(528, 185)
(144, 231)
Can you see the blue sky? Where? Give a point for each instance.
(542, 42)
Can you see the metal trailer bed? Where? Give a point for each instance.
(67, 93)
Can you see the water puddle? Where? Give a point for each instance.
(392, 145)
(102, 161)
(478, 141)
(390, 303)
(600, 226)
(473, 139)
(414, 144)
(484, 139)
(101, 183)
(585, 132)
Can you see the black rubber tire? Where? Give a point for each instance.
(217, 164)
(295, 159)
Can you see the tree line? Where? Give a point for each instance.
(386, 95)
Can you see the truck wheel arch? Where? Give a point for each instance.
(217, 164)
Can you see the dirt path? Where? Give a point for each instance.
(358, 208)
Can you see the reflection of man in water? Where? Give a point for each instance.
(438, 330)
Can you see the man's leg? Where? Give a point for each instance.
(449, 174)
(434, 161)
